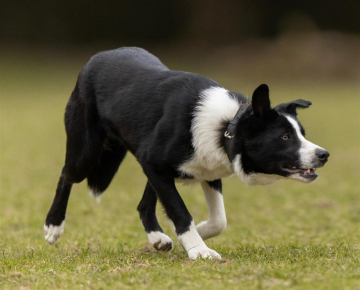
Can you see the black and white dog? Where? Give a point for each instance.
(180, 126)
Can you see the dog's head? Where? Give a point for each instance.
(272, 144)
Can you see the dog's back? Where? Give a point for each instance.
(134, 94)
(125, 58)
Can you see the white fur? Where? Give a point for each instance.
(216, 224)
(159, 237)
(253, 178)
(95, 195)
(307, 149)
(195, 246)
(52, 233)
(298, 177)
(209, 161)
(239, 170)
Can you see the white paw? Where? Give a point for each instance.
(203, 252)
(52, 233)
(160, 241)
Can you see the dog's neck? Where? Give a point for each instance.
(229, 134)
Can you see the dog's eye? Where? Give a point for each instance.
(285, 136)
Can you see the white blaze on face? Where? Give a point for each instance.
(307, 149)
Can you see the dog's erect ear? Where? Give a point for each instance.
(261, 101)
(290, 108)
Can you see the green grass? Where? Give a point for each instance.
(288, 235)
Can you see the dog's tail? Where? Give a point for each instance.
(111, 156)
(91, 153)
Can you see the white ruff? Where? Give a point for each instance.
(209, 161)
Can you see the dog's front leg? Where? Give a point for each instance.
(216, 224)
(179, 214)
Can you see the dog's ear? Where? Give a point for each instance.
(261, 101)
(290, 108)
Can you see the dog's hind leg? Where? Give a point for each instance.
(76, 169)
(216, 224)
(85, 139)
(147, 211)
(55, 220)
(100, 176)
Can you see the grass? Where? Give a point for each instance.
(288, 235)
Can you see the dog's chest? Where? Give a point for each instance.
(203, 170)
(209, 161)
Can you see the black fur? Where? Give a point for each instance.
(127, 100)
(110, 158)
(57, 211)
(290, 108)
(147, 210)
(216, 184)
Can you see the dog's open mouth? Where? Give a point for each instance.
(308, 173)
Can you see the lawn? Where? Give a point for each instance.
(285, 236)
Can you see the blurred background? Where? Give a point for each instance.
(246, 39)
(301, 49)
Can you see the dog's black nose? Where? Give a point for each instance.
(322, 154)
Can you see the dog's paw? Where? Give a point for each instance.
(203, 252)
(160, 241)
(52, 233)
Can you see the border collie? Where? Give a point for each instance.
(180, 126)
